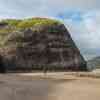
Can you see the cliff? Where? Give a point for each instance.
(37, 44)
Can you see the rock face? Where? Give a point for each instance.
(41, 46)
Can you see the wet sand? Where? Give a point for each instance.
(49, 87)
(20, 88)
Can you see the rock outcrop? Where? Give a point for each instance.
(38, 44)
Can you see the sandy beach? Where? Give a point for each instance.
(53, 86)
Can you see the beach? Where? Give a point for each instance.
(50, 86)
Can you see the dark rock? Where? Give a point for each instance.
(42, 46)
(2, 67)
(2, 24)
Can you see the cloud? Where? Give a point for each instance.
(86, 32)
(26, 8)
(76, 4)
(21, 8)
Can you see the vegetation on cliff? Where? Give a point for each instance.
(9, 26)
(27, 23)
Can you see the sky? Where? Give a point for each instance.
(81, 17)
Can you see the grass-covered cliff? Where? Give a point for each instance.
(27, 23)
(38, 43)
(9, 26)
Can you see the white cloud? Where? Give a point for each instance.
(86, 33)
(26, 8)
(70, 4)
(92, 22)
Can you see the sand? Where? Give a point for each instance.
(53, 86)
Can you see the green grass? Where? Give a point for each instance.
(11, 22)
(30, 22)
(26, 23)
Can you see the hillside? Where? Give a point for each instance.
(94, 63)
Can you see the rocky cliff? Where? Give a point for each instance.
(38, 43)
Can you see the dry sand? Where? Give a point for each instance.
(53, 86)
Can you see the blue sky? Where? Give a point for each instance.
(81, 17)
